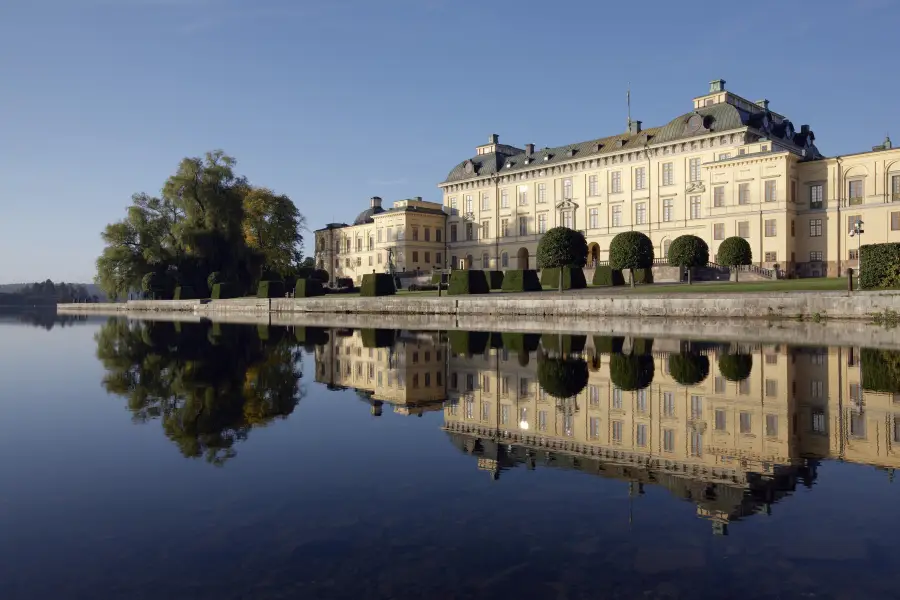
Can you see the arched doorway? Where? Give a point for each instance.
(665, 247)
(593, 254)
(522, 257)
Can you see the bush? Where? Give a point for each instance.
(642, 346)
(573, 278)
(735, 367)
(222, 291)
(185, 292)
(607, 276)
(468, 343)
(214, 278)
(495, 279)
(522, 344)
(521, 281)
(642, 276)
(631, 250)
(157, 285)
(270, 334)
(688, 368)
(561, 247)
(310, 337)
(468, 282)
(438, 277)
(270, 289)
(564, 344)
(880, 370)
(270, 275)
(344, 282)
(688, 251)
(322, 275)
(377, 284)
(308, 288)
(735, 252)
(562, 377)
(881, 266)
(631, 372)
(346, 290)
(377, 338)
(604, 344)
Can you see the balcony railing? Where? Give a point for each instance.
(855, 201)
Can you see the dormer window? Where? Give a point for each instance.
(546, 157)
(509, 164)
(527, 161)
(598, 148)
(572, 152)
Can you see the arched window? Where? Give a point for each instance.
(485, 261)
(666, 245)
(504, 260)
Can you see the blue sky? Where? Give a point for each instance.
(334, 101)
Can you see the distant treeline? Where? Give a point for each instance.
(48, 292)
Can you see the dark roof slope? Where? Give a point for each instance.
(366, 215)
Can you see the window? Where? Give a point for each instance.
(437, 235)
(378, 258)
(415, 256)
(771, 227)
(640, 213)
(667, 174)
(617, 432)
(742, 151)
(725, 156)
(852, 220)
(858, 424)
(370, 261)
(745, 422)
(594, 218)
(666, 245)
(453, 202)
(567, 219)
(696, 444)
(640, 178)
(485, 261)
(719, 196)
(523, 195)
(594, 428)
(668, 440)
(640, 435)
(764, 148)
(719, 385)
(895, 188)
(771, 256)
(379, 235)
(816, 256)
(468, 203)
(617, 398)
(696, 407)
(504, 227)
(504, 260)
(371, 243)
(815, 228)
(815, 195)
(542, 193)
(437, 258)
(816, 388)
(895, 221)
(694, 169)
(695, 207)
(542, 420)
(415, 233)
(485, 230)
(504, 198)
(567, 188)
(470, 231)
(720, 420)
(793, 197)
(485, 202)
(616, 216)
(427, 257)
(667, 209)
(615, 185)
(743, 229)
(668, 404)
(856, 191)
(358, 261)
(771, 388)
(593, 185)
(744, 193)
(771, 425)
(542, 223)
(719, 231)
(818, 421)
(359, 244)
(770, 190)
(453, 232)
(523, 225)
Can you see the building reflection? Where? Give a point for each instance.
(734, 429)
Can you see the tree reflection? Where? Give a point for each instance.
(209, 385)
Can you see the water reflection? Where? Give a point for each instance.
(45, 318)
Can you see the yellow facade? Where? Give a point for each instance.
(410, 235)
(730, 167)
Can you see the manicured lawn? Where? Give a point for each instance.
(724, 287)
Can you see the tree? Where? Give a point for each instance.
(562, 377)
(688, 252)
(631, 372)
(562, 247)
(735, 367)
(688, 368)
(735, 252)
(271, 226)
(631, 250)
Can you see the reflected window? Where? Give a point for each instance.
(470, 408)
(696, 407)
(669, 404)
(523, 387)
(617, 432)
(696, 444)
(542, 420)
(617, 398)
(896, 429)
(594, 428)
(817, 388)
(504, 414)
(415, 380)
(485, 411)
(440, 378)
(720, 420)
(594, 395)
(720, 385)
(523, 417)
(746, 422)
(858, 424)
(744, 387)
(568, 425)
(641, 401)
(641, 435)
(454, 381)
(668, 440)
(427, 379)
(771, 425)
(470, 382)
(818, 421)
(771, 388)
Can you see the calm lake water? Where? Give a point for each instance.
(165, 460)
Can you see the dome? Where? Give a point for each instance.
(366, 215)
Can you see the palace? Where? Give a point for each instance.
(728, 167)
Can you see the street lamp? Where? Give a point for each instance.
(857, 232)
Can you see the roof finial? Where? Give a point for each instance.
(628, 102)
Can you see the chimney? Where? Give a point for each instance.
(529, 149)
(375, 202)
(418, 198)
(493, 139)
(763, 104)
(716, 85)
(634, 127)
(804, 129)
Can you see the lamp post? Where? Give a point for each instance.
(857, 232)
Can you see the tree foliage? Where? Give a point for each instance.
(631, 372)
(631, 250)
(688, 251)
(735, 367)
(688, 368)
(205, 219)
(562, 247)
(735, 251)
(562, 377)
(48, 292)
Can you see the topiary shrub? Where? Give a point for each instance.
(563, 344)
(604, 344)
(308, 288)
(562, 377)
(322, 275)
(214, 278)
(631, 372)
(522, 344)
(573, 278)
(343, 282)
(495, 279)
(882, 266)
(496, 340)
(735, 367)
(185, 292)
(377, 338)
(377, 284)
(521, 281)
(437, 277)
(310, 337)
(735, 252)
(223, 291)
(642, 345)
(270, 289)
(688, 368)
(270, 275)
(562, 247)
(642, 276)
(468, 343)
(467, 282)
(880, 370)
(631, 250)
(607, 276)
(688, 252)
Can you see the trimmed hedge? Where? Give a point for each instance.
(214, 278)
(185, 292)
(377, 338)
(495, 279)
(270, 289)
(573, 278)
(309, 337)
(735, 367)
(562, 377)
(322, 275)
(468, 343)
(521, 342)
(605, 344)
(308, 288)
(630, 372)
(377, 284)
(688, 368)
(343, 282)
(436, 278)
(563, 343)
(521, 281)
(222, 291)
(468, 282)
(642, 346)
(880, 370)
(642, 276)
(881, 266)
(607, 276)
